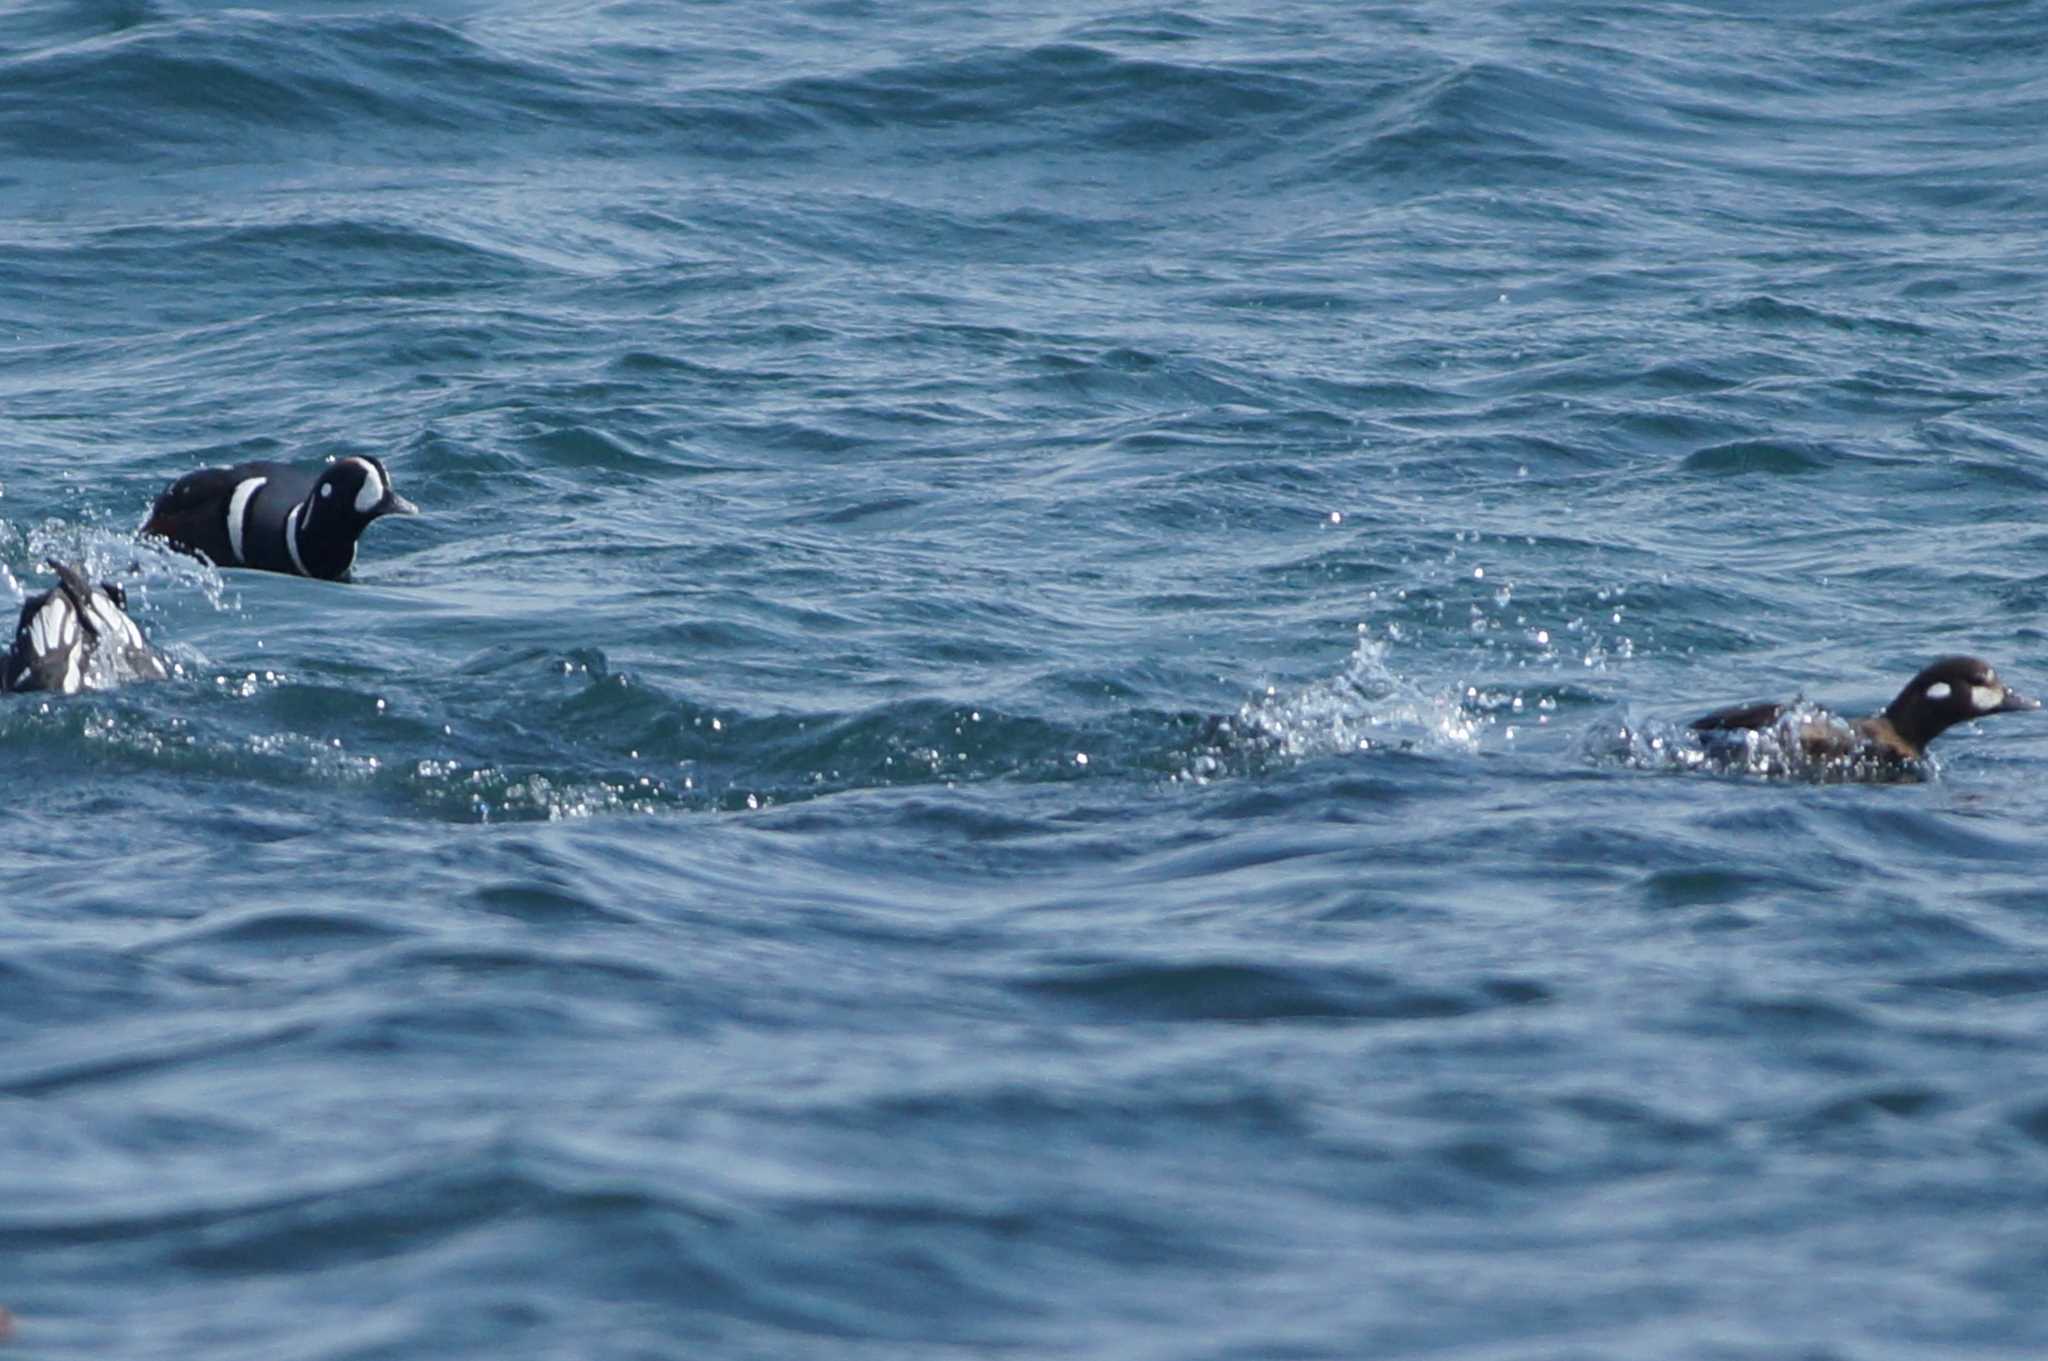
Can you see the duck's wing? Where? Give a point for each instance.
(49, 646)
(193, 491)
(71, 580)
(138, 660)
(1740, 717)
(103, 611)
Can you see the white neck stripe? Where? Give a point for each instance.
(238, 513)
(291, 539)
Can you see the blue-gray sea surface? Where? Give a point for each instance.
(754, 870)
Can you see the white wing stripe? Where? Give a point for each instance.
(53, 622)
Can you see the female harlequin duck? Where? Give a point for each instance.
(1947, 693)
(275, 517)
(66, 627)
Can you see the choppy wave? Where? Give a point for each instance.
(1040, 706)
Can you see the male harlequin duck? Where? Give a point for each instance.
(65, 627)
(275, 517)
(1945, 694)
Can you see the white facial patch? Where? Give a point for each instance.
(373, 488)
(1938, 690)
(1985, 698)
(238, 513)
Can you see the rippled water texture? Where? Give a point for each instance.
(1040, 707)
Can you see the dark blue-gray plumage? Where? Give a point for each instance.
(277, 517)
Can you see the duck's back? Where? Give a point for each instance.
(233, 516)
(1740, 718)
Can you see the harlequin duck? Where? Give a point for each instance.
(1947, 693)
(275, 517)
(62, 630)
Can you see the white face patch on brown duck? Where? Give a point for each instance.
(1950, 691)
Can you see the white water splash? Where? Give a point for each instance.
(1366, 705)
(138, 565)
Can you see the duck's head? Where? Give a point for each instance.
(1951, 691)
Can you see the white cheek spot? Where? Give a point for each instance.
(327, 489)
(1985, 698)
(1938, 690)
(372, 492)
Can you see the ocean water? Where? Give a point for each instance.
(1039, 707)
